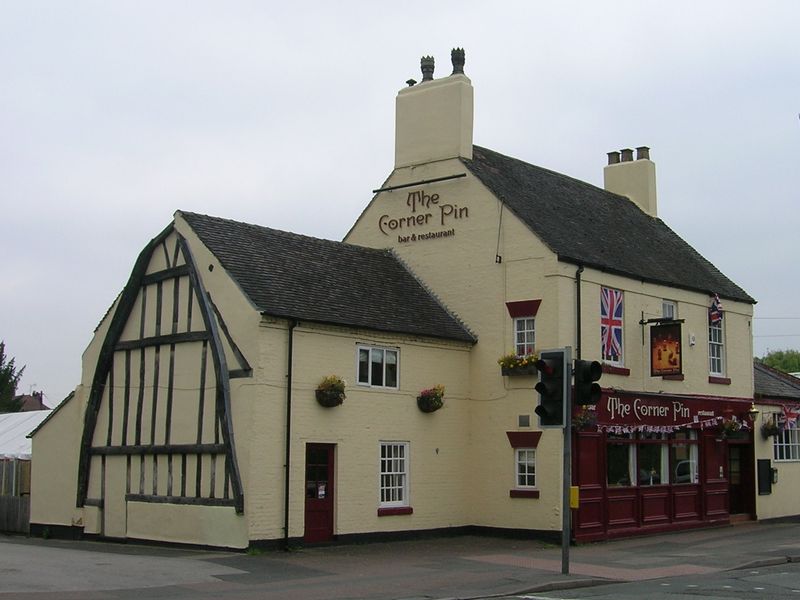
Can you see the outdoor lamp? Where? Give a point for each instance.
(753, 412)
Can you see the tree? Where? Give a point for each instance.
(9, 378)
(787, 361)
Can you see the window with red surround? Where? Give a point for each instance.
(719, 380)
(399, 510)
(612, 370)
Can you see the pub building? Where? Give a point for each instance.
(254, 387)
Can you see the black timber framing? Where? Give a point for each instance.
(159, 449)
(137, 283)
(180, 500)
(223, 392)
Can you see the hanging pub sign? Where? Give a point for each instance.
(665, 350)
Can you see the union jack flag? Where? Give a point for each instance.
(790, 416)
(611, 324)
(715, 311)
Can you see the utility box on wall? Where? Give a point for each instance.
(765, 475)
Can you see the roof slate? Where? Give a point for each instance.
(771, 383)
(586, 225)
(299, 277)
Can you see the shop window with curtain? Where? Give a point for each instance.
(645, 459)
(620, 460)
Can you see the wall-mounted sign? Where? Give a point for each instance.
(665, 350)
(625, 412)
(428, 218)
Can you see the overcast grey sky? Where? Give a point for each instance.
(115, 114)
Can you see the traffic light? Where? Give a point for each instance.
(552, 387)
(587, 372)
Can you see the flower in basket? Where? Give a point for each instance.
(770, 427)
(330, 391)
(729, 426)
(583, 418)
(431, 399)
(513, 361)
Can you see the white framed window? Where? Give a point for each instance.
(786, 445)
(394, 474)
(377, 366)
(524, 335)
(716, 349)
(669, 309)
(525, 460)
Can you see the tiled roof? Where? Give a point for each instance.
(770, 383)
(586, 225)
(298, 277)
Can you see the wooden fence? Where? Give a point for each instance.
(15, 513)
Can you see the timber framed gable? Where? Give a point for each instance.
(159, 410)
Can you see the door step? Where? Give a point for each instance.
(741, 518)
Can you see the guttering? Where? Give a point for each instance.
(578, 316)
(288, 455)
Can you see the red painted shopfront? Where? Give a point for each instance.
(656, 463)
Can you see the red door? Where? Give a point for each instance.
(319, 493)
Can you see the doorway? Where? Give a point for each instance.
(740, 478)
(319, 493)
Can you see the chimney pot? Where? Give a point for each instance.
(642, 152)
(426, 64)
(457, 58)
(613, 158)
(627, 154)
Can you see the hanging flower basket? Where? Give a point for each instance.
(770, 428)
(584, 419)
(330, 391)
(729, 428)
(431, 399)
(518, 364)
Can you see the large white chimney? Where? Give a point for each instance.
(434, 117)
(635, 179)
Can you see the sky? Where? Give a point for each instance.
(113, 115)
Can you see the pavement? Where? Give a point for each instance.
(459, 567)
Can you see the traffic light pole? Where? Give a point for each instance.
(566, 511)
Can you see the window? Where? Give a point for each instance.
(669, 309)
(526, 467)
(683, 457)
(524, 335)
(652, 459)
(394, 474)
(377, 367)
(646, 459)
(611, 325)
(786, 445)
(716, 364)
(621, 460)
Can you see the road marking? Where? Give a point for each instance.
(759, 589)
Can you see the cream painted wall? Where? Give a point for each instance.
(782, 502)
(203, 525)
(438, 441)
(54, 468)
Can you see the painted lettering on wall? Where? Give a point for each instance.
(427, 211)
(620, 409)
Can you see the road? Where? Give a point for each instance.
(765, 583)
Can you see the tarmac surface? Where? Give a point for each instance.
(462, 567)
